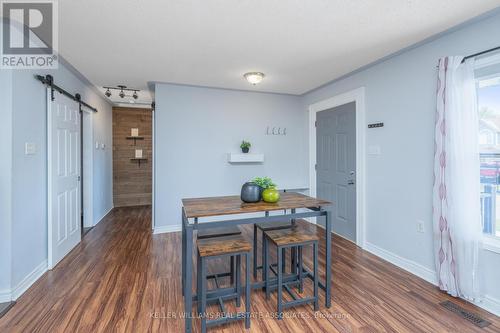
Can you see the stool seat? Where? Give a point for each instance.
(223, 245)
(291, 236)
(274, 225)
(218, 232)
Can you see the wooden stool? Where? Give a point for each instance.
(220, 232)
(219, 247)
(265, 226)
(289, 238)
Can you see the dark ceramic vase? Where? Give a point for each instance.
(245, 150)
(251, 192)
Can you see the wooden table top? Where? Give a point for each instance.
(229, 205)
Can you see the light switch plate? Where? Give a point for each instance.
(420, 226)
(103, 146)
(374, 150)
(30, 148)
(96, 145)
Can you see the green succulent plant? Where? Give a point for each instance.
(245, 144)
(264, 182)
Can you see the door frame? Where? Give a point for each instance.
(153, 168)
(87, 174)
(358, 96)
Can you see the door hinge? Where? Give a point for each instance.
(315, 167)
(315, 123)
(79, 178)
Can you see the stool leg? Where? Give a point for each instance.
(283, 259)
(231, 277)
(198, 282)
(280, 282)
(293, 260)
(315, 269)
(255, 251)
(203, 295)
(265, 268)
(238, 280)
(301, 282)
(247, 291)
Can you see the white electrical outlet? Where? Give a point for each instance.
(420, 226)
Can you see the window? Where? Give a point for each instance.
(488, 95)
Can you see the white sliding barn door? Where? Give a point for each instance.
(63, 152)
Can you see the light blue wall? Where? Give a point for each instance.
(29, 199)
(197, 127)
(401, 93)
(5, 182)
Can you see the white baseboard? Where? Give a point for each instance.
(490, 304)
(408, 265)
(166, 228)
(102, 217)
(5, 296)
(31, 278)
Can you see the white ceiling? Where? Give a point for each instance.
(298, 44)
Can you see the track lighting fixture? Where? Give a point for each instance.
(123, 89)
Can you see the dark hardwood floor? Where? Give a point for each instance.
(121, 278)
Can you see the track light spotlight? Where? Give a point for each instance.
(135, 96)
(108, 93)
(121, 94)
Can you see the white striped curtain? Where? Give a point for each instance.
(456, 192)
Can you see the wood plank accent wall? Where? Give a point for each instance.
(132, 184)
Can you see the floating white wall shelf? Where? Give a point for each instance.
(245, 158)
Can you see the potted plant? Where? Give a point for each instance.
(269, 192)
(245, 146)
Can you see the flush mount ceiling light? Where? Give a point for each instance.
(122, 90)
(254, 77)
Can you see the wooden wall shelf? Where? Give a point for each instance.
(135, 138)
(138, 160)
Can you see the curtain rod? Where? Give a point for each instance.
(480, 53)
(49, 81)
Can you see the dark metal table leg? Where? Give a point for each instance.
(183, 251)
(280, 283)
(255, 251)
(188, 293)
(328, 258)
(315, 269)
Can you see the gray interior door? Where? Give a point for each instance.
(336, 165)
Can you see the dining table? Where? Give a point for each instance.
(227, 211)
